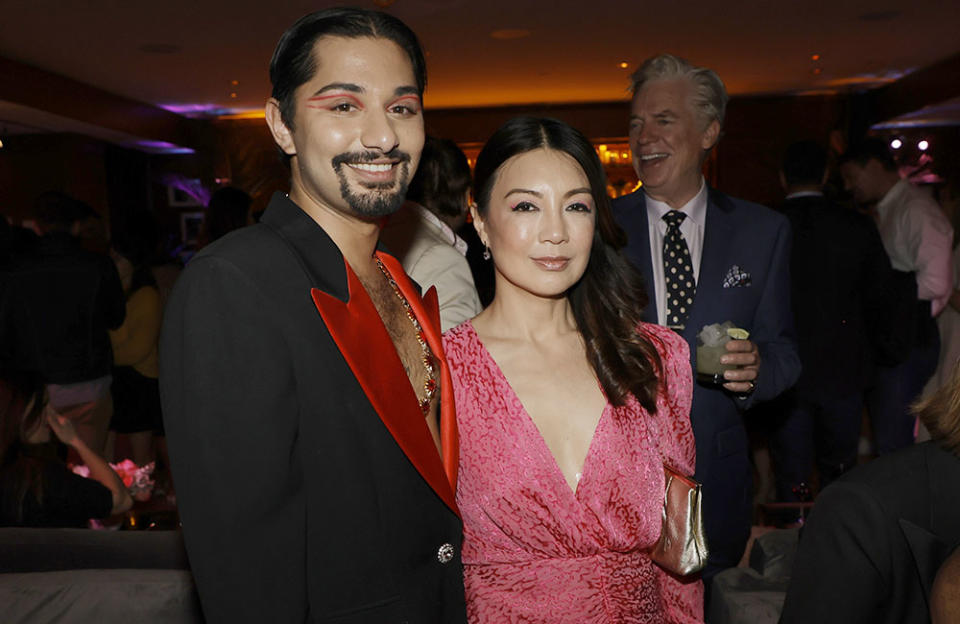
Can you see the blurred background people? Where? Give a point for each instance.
(918, 240)
(56, 305)
(135, 388)
(422, 233)
(948, 323)
(36, 487)
(877, 536)
(840, 279)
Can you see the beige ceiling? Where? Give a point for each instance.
(187, 52)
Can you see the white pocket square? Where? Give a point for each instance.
(736, 277)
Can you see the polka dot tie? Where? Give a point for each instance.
(677, 272)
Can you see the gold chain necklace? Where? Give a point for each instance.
(429, 362)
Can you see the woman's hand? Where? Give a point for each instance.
(61, 426)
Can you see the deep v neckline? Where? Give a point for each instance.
(541, 442)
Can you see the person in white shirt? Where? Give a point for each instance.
(422, 233)
(918, 238)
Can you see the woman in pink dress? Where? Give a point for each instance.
(567, 405)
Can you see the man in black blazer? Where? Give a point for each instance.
(737, 271)
(877, 536)
(302, 374)
(841, 291)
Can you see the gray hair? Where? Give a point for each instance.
(710, 96)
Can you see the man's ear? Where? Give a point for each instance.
(281, 134)
(711, 135)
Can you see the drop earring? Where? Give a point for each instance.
(486, 252)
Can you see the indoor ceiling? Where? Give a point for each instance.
(212, 55)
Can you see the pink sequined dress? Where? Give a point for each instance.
(536, 551)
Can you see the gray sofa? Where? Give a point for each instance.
(755, 594)
(80, 576)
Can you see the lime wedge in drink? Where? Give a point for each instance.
(738, 334)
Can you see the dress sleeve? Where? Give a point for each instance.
(677, 446)
(683, 598)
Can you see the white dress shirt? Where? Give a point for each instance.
(918, 238)
(692, 229)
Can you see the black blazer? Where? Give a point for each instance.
(841, 278)
(875, 539)
(309, 486)
(757, 241)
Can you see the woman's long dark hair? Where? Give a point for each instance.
(22, 402)
(608, 300)
(136, 249)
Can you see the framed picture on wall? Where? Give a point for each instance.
(178, 197)
(190, 224)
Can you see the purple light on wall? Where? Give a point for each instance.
(161, 147)
(202, 111)
(193, 110)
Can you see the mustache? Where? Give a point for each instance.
(368, 157)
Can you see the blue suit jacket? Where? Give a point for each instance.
(757, 240)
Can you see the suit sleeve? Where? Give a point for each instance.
(230, 411)
(844, 545)
(773, 326)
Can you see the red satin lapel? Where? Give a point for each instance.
(427, 311)
(363, 341)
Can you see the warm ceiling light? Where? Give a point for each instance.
(923, 145)
(817, 71)
(233, 95)
(624, 65)
(234, 82)
(814, 57)
(896, 144)
(510, 33)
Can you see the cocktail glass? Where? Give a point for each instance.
(711, 345)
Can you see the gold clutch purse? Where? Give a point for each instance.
(682, 547)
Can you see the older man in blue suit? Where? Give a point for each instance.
(708, 258)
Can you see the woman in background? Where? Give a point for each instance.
(135, 388)
(567, 405)
(36, 487)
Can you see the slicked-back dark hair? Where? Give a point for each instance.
(870, 148)
(608, 300)
(804, 163)
(293, 62)
(442, 179)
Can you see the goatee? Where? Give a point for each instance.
(381, 199)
